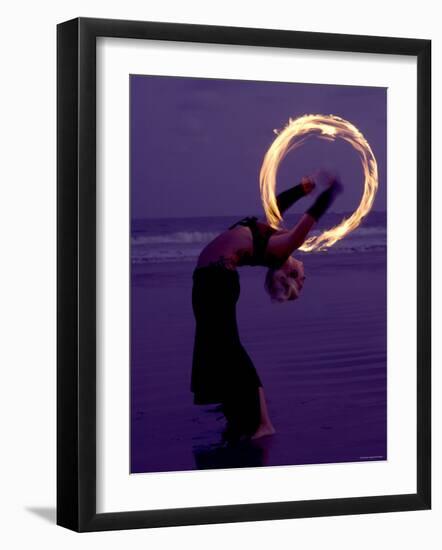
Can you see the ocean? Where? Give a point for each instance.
(182, 239)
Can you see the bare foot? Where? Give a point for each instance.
(264, 429)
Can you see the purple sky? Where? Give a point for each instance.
(197, 145)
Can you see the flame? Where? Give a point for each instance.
(291, 137)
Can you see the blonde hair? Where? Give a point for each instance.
(280, 286)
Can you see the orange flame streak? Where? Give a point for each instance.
(291, 137)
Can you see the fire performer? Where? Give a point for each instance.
(222, 371)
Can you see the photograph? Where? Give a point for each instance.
(220, 322)
(258, 273)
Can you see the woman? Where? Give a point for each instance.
(222, 371)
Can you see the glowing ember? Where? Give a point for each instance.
(292, 136)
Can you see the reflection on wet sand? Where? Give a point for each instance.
(244, 454)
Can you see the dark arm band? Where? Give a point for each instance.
(288, 197)
(323, 202)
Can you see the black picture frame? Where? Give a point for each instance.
(76, 274)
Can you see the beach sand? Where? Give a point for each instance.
(322, 361)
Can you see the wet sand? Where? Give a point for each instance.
(322, 361)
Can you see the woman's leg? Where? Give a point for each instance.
(247, 415)
(241, 407)
(265, 427)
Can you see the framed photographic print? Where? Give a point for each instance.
(243, 274)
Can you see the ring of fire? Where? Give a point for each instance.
(292, 136)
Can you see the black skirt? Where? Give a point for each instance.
(221, 367)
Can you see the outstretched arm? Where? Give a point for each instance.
(288, 197)
(282, 245)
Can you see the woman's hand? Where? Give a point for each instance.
(326, 198)
(336, 186)
(327, 178)
(308, 184)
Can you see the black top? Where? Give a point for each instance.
(261, 233)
